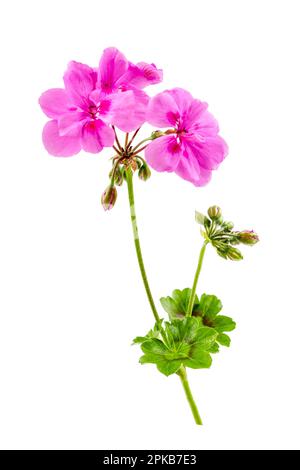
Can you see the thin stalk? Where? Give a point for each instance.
(193, 293)
(117, 151)
(137, 243)
(184, 380)
(116, 138)
(136, 148)
(126, 140)
(133, 137)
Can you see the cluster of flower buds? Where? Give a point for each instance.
(118, 174)
(221, 235)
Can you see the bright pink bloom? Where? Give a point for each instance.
(192, 148)
(116, 75)
(78, 119)
(92, 99)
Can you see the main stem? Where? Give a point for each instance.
(182, 372)
(197, 273)
(184, 380)
(137, 243)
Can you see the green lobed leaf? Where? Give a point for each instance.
(198, 359)
(206, 310)
(224, 339)
(140, 339)
(222, 323)
(177, 305)
(188, 343)
(154, 333)
(210, 306)
(214, 348)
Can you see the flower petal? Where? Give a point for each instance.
(96, 135)
(55, 102)
(163, 154)
(80, 81)
(209, 153)
(57, 145)
(141, 75)
(162, 110)
(189, 169)
(182, 98)
(199, 121)
(113, 64)
(71, 123)
(128, 109)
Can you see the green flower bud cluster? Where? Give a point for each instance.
(221, 235)
(117, 176)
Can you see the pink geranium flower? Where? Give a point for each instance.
(78, 119)
(93, 99)
(192, 147)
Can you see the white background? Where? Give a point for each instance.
(71, 295)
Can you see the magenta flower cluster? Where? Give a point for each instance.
(93, 100)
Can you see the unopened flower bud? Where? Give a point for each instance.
(222, 253)
(156, 134)
(118, 176)
(109, 198)
(144, 172)
(134, 165)
(248, 237)
(207, 223)
(215, 213)
(234, 254)
(228, 225)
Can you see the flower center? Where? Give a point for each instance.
(94, 112)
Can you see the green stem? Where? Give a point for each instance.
(193, 293)
(137, 243)
(184, 380)
(136, 149)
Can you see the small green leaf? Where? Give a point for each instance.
(214, 348)
(210, 306)
(169, 305)
(140, 339)
(222, 323)
(154, 350)
(169, 367)
(157, 353)
(198, 359)
(224, 339)
(154, 333)
(177, 305)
